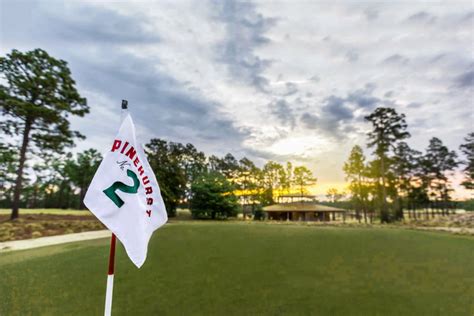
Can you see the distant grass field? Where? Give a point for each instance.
(207, 268)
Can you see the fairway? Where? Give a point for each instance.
(207, 268)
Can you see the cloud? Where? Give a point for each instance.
(315, 78)
(396, 59)
(291, 88)
(352, 56)
(283, 112)
(160, 102)
(371, 13)
(422, 17)
(363, 97)
(414, 105)
(309, 120)
(388, 94)
(337, 117)
(468, 17)
(245, 31)
(336, 109)
(333, 113)
(465, 80)
(89, 25)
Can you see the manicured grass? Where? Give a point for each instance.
(250, 269)
(53, 211)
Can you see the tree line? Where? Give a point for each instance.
(212, 187)
(399, 177)
(215, 186)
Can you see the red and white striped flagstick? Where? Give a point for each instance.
(110, 278)
(110, 275)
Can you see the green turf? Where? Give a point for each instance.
(52, 211)
(250, 269)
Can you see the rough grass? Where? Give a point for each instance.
(465, 220)
(41, 225)
(34, 223)
(259, 269)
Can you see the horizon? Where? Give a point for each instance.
(282, 82)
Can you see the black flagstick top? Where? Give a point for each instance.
(124, 104)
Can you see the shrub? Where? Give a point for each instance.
(258, 213)
(212, 197)
(36, 234)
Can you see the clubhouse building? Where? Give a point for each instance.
(303, 211)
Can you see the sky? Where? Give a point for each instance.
(268, 80)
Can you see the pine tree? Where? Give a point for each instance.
(404, 164)
(468, 150)
(437, 162)
(303, 177)
(388, 128)
(355, 170)
(37, 99)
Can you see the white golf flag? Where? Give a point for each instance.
(125, 196)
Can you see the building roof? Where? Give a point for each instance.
(301, 207)
(298, 195)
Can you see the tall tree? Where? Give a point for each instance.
(8, 168)
(334, 195)
(303, 177)
(404, 167)
(437, 162)
(286, 177)
(228, 166)
(212, 197)
(81, 171)
(388, 128)
(271, 180)
(50, 183)
(289, 173)
(468, 150)
(355, 170)
(249, 176)
(37, 99)
(191, 161)
(169, 173)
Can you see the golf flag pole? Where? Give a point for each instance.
(110, 278)
(110, 274)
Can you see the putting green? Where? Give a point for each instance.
(207, 268)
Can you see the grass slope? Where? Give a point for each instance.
(250, 269)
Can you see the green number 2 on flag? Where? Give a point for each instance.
(111, 191)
